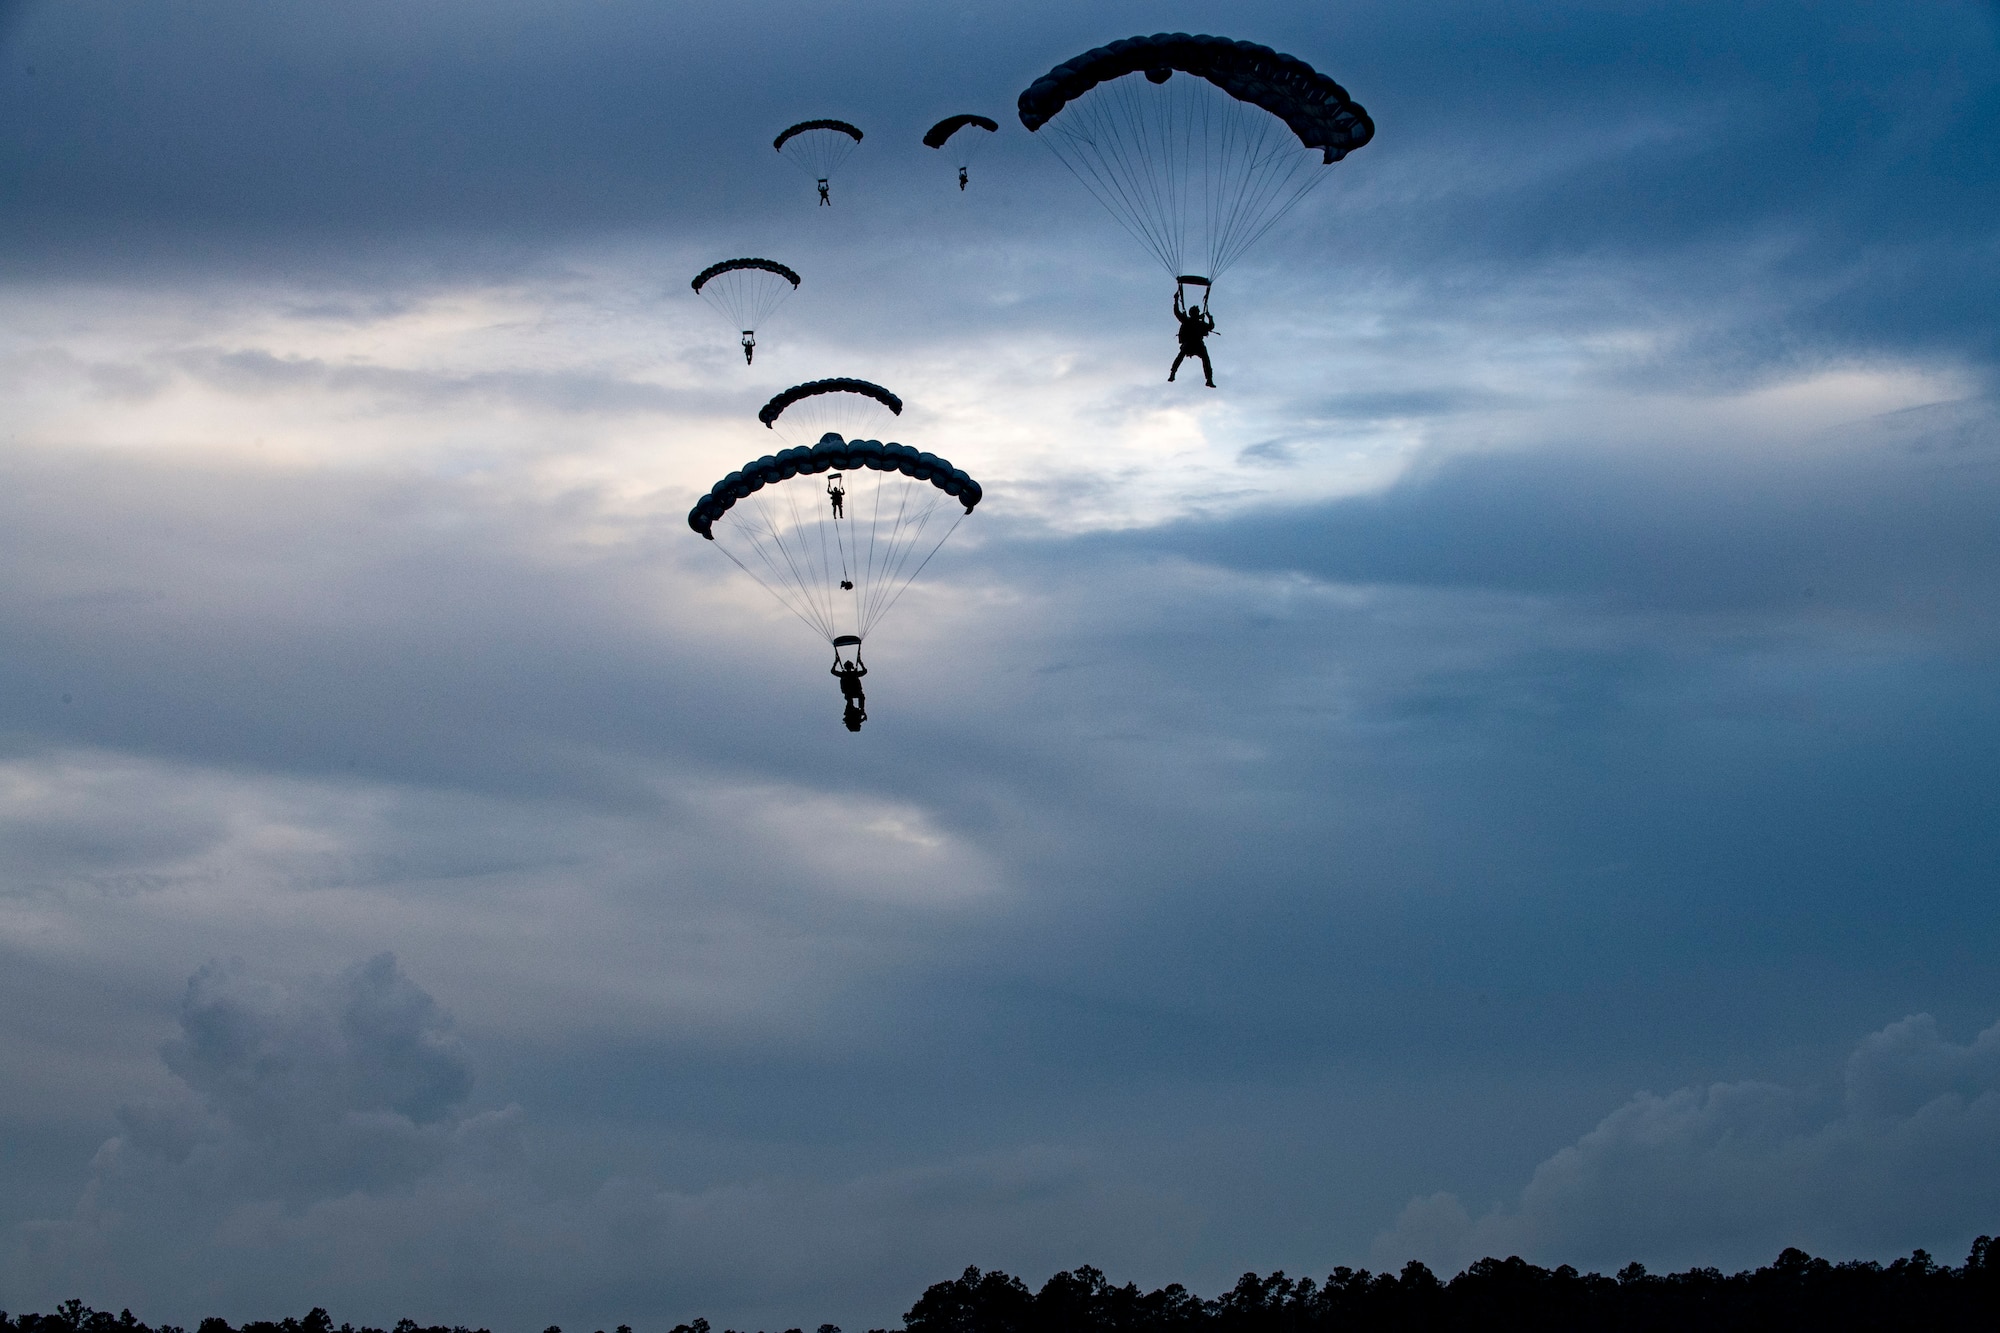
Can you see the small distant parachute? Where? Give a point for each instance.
(850, 407)
(936, 136)
(964, 147)
(818, 147)
(841, 570)
(1196, 168)
(746, 292)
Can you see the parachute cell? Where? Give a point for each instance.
(1196, 168)
(746, 292)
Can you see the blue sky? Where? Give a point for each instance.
(1514, 770)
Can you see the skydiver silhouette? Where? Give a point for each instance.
(961, 178)
(1196, 325)
(838, 494)
(749, 345)
(854, 710)
(825, 199)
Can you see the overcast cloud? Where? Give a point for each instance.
(1513, 770)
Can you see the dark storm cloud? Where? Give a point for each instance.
(1571, 130)
(1398, 835)
(1779, 181)
(1220, 857)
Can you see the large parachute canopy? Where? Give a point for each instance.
(953, 133)
(745, 292)
(1197, 168)
(817, 147)
(850, 407)
(840, 572)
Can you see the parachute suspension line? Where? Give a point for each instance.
(874, 529)
(1111, 145)
(1259, 175)
(1140, 160)
(889, 573)
(843, 539)
(790, 603)
(782, 599)
(935, 548)
(746, 297)
(815, 584)
(1146, 151)
(793, 546)
(893, 555)
(812, 588)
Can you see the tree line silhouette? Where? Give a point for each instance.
(1491, 1296)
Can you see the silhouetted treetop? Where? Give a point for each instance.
(1491, 1296)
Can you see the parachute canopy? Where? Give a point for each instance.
(1314, 107)
(1196, 168)
(853, 408)
(831, 454)
(839, 570)
(937, 134)
(746, 292)
(771, 266)
(770, 412)
(817, 147)
(835, 127)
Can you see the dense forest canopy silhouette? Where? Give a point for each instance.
(1795, 1291)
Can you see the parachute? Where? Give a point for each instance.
(805, 412)
(963, 146)
(818, 147)
(1196, 168)
(839, 571)
(746, 292)
(936, 136)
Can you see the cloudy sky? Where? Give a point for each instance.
(1515, 770)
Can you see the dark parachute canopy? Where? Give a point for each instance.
(745, 292)
(770, 266)
(771, 411)
(817, 147)
(937, 134)
(1196, 168)
(964, 147)
(1317, 109)
(805, 126)
(831, 454)
(838, 570)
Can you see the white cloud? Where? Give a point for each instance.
(1909, 1155)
